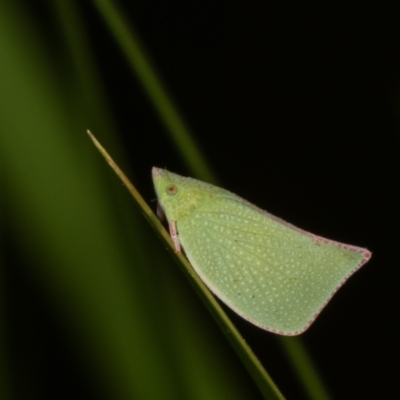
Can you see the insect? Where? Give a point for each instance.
(271, 273)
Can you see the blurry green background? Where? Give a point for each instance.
(294, 108)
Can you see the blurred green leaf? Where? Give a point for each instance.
(85, 246)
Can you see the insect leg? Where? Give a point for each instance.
(174, 236)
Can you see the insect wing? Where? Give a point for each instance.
(271, 273)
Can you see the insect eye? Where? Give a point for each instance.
(171, 189)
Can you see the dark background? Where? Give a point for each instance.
(296, 109)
